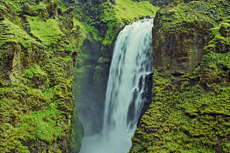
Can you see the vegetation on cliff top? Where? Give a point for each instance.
(106, 19)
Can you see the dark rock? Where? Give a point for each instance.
(214, 13)
(227, 10)
(113, 2)
(120, 24)
(202, 7)
(159, 2)
(59, 11)
(147, 99)
(26, 9)
(2, 16)
(187, 1)
(156, 2)
(37, 2)
(104, 61)
(224, 30)
(180, 49)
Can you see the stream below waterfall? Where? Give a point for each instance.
(125, 95)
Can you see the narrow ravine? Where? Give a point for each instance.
(131, 63)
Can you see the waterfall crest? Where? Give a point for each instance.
(131, 63)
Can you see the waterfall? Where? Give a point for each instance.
(131, 63)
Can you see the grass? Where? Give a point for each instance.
(130, 10)
(14, 33)
(48, 32)
(42, 125)
(112, 15)
(124, 12)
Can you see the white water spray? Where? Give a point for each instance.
(131, 63)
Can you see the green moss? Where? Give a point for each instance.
(97, 67)
(190, 113)
(86, 27)
(190, 120)
(123, 12)
(36, 70)
(129, 10)
(76, 135)
(67, 60)
(100, 59)
(43, 125)
(62, 6)
(37, 107)
(13, 132)
(181, 18)
(14, 33)
(48, 32)
(3, 8)
(220, 37)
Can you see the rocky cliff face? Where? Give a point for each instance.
(190, 96)
(179, 36)
(36, 79)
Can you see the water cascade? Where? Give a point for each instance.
(131, 63)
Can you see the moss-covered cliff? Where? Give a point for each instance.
(36, 80)
(41, 40)
(190, 96)
(39, 44)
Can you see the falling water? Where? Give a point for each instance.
(131, 63)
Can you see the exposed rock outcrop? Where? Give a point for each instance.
(179, 38)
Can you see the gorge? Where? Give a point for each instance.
(56, 56)
(126, 91)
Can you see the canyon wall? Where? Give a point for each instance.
(47, 45)
(38, 60)
(190, 95)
